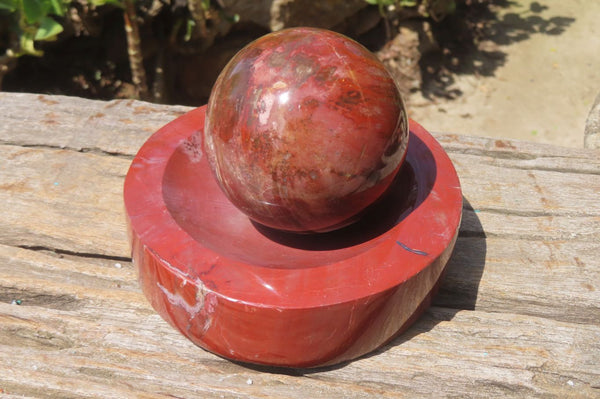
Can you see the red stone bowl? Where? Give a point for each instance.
(258, 295)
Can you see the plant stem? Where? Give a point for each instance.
(197, 12)
(159, 87)
(134, 50)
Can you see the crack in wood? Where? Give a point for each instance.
(85, 150)
(503, 154)
(26, 297)
(59, 251)
(529, 213)
(532, 237)
(519, 156)
(556, 170)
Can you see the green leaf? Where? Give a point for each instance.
(408, 3)
(381, 3)
(48, 29)
(234, 19)
(33, 11)
(8, 5)
(189, 28)
(27, 45)
(98, 3)
(58, 7)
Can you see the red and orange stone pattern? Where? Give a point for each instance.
(305, 129)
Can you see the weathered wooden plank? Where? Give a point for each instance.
(90, 320)
(526, 263)
(110, 347)
(41, 186)
(557, 280)
(116, 127)
(530, 192)
(508, 164)
(481, 272)
(498, 150)
(530, 226)
(125, 124)
(72, 202)
(63, 200)
(121, 127)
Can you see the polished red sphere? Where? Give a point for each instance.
(305, 128)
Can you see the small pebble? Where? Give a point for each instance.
(249, 381)
(570, 383)
(118, 265)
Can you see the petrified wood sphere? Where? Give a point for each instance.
(305, 129)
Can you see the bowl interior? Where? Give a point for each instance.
(199, 207)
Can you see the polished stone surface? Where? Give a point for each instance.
(259, 295)
(305, 128)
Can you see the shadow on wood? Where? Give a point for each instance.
(460, 283)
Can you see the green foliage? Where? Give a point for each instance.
(401, 3)
(38, 20)
(189, 29)
(33, 20)
(99, 3)
(381, 4)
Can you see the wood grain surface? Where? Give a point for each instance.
(518, 314)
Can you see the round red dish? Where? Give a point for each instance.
(258, 295)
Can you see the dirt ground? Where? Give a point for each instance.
(539, 72)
